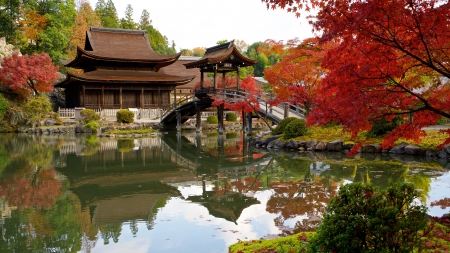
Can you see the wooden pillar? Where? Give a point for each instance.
(174, 96)
(159, 103)
(202, 77)
(286, 109)
(220, 110)
(120, 97)
(215, 77)
(249, 123)
(198, 123)
(238, 80)
(103, 96)
(178, 115)
(244, 124)
(84, 96)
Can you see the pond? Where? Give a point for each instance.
(178, 192)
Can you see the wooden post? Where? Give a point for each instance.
(286, 109)
(174, 96)
(249, 123)
(198, 123)
(215, 77)
(178, 115)
(201, 79)
(220, 110)
(244, 123)
(142, 98)
(120, 97)
(84, 96)
(238, 80)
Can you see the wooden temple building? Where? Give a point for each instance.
(120, 70)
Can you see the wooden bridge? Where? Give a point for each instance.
(192, 105)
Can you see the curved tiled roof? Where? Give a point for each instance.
(119, 45)
(220, 53)
(125, 76)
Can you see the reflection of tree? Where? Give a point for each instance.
(39, 189)
(110, 231)
(307, 197)
(38, 154)
(125, 145)
(4, 158)
(92, 145)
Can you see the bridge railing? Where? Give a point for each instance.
(179, 102)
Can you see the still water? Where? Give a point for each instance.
(178, 193)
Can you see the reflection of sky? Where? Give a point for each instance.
(183, 226)
(440, 189)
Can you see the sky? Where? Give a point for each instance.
(201, 23)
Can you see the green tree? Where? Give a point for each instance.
(145, 20)
(9, 16)
(107, 13)
(127, 22)
(220, 42)
(158, 41)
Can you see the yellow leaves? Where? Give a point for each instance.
(32, 24)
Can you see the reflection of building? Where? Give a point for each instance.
(5, 209)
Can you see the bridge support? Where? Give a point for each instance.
(244, 122)
(286, 109)
(249, 123)
(198, 123)
(220, 127)
(178, 115)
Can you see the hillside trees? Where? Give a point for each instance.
(392, 59)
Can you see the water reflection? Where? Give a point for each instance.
(84, 193)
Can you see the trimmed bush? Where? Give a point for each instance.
(3, 106)
(283, 123)
(37, 108)
(212, 119)
(382, 126)
(296, 127)
(231, 116)
(125, 116)
(364, 218)
(89, 115)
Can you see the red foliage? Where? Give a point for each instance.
(26, 75)
(393, 59)
(249, 103)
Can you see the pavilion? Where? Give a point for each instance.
(119, 69)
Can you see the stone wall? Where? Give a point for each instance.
(6, 50)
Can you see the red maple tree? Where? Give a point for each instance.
(393, 59)
(246, 103)
(28, 75)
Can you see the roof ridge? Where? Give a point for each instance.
(115, 30)
(221, 46)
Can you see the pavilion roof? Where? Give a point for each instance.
(221, 53)
(124, 76)
(119, 45)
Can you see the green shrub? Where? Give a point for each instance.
(440, 121)
(295, 128)
(89, 115)
(92, 125)
(280, 127)
(3, 106)
(364, 218)
(231, 116)
(212, 119)
(383, 126)
(37, 108)
(125, 116)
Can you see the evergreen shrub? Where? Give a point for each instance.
(296, 127)
(89, 115)
(92, 125)
(212, 119)
(231, 116)
(365, 218)
(280, 127)
(37, 108)
(383, 126)
(125, 116)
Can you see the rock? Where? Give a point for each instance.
(302, 144)
(70, 122)
(301, 149)
(265, 142)
(347, 146)
(320, 146)
(279, 144)
(310, 145)
(371, 148)
(336, 146)
(414, 150)
(447, 148)
(442, 154)
(430, 153)
(50, 122)
(292, 145)
(399, 149)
